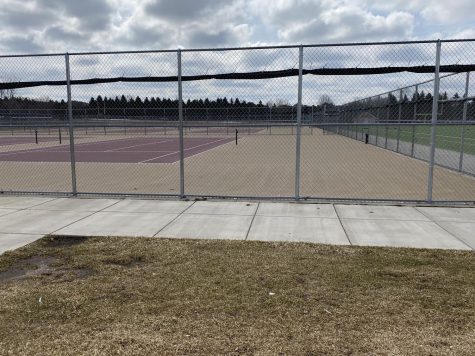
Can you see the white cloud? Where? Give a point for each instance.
(465, 34)
(183, 9)
(432, 11)
(314, 21)
(19, 43)
(77, 25)
(60, 25)
(91, 14)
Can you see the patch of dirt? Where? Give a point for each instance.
(64, 241)
(42, 266)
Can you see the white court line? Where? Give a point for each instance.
(142, 144)
(186, 149)
(67, 151)
(106, 141)
(51, 148)
(2, 154)
(154, 151)
(224, 144)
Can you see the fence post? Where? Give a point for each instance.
(299, 122)
(464, 118)
(414, 119)
(435, 104)
(386, 136)
(399, 120)
(377, 116)
(377, 133)
(180, 128)
(71, 130)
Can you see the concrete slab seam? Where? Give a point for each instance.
(40, 203)
(342, 226)
(17, 210)
(95, 212)
(13, 212)
(296, 216)
(252, 221)
(386, 218)
(174, 219)
(219, 214)
(76, 199)
(19, 233)
(447, 231)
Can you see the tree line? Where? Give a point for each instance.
(126, 105)
(129, 102)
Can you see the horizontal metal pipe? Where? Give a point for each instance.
(395, 90)
(344, 44)
(229, 197)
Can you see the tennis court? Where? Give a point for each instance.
(6, 141)
(122, 150)
(262, 164)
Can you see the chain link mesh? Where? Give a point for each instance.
(33, 126)
(248, 124)
(127, 131)
(353, 135)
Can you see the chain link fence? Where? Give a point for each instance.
(357, 122)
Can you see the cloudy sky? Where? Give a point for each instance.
(71, 25)
(57, 26)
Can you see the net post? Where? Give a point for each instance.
(464, 118)
(299, 123)
(71, 128)
(180, 127)
(435, 104)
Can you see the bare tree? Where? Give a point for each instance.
(282, 102)
(325, 99)
(7, 93)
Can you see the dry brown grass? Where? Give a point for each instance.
(158, 296)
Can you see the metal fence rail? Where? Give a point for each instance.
(318, 129)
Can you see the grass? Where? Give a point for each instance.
(159, 296)
(448, 137)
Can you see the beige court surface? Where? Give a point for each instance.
(261, 165)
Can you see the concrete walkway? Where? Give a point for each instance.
(26, 219)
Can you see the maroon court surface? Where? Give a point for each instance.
(126, 150)
(16, 140)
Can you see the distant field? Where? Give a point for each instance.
(447, 136)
